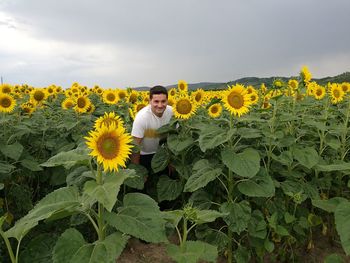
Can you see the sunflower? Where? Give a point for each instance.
(251, 89)
(336, 93)
(266, 104)
(107, 120)
(82, 104)
(6, 88)
(172, 92)
(215, 110)
(38, 95)
(138, 106)
(110, 96)
(293, 84)
(91, 108)
(7, 103)
(67, 103)
(305, 74)
(27, 108)
(263, 88)
(111, 145)
(236, 100)
(184, 107)
(198, 96)
(254, 97)
(319, 92)
(345, 87)
(182, 86)
(132, 97)
(171, 101)
(51, 90)
(122, 94)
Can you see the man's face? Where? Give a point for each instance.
(158, 104)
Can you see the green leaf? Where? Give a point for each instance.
(260, 185)
(212, 136)
(72, 248)
(269, 246)
(333, 167)
(160, 160)
(68, 159)
(206, 216)
(14, 151)
(140, 217)
(203, 173)
(106, 193)
(6, 168)
(306, 156)
(201, 199)
(289, 218)
(39, 249)
(314, 220)
(342, 223)
(192, 252)
(238, 216)
(138, 180)
(168, 189)
(281, 230)
(242, 254)
(333, 258)
(61, 200)
(245, 164)
(173, 216)
(31, 165)
(285, 158)
(329, 205)
(178, 144)
(257, 225)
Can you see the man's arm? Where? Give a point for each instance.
(135, 156)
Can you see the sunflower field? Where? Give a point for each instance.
(258, 173)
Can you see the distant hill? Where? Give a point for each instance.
(254, 81)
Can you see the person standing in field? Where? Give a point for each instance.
(146, 123)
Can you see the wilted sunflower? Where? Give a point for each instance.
(198, 96)
(110, 96)
(6, 88)
(7, 103)
(236, 100)
(215, 110)
(182, 86)
(184, 107)
(108, 119)
(336, 93)
(38, 95)
(111, 145)
(319, 92)
(82, 104)
(67, 103)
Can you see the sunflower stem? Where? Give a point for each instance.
(100, 208)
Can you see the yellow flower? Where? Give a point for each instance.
(122, 94)
(319, 92)
(82, 104)
(67, 103)
(215, 110)
(6, 88)
(198, 96)
(133, 97)
(184, 107)
(7, 103)
(254, 97)
(107, 120)
(345, 87)
(111, 146)
(110, 96)
(236, 100)
(171, 101)
(293, 84)
(182, 86)
(336, 93)
(38, 95)
(28, 108)
(172, 92)
(138, 106)
(305, 74)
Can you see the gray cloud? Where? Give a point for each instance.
(155, 41)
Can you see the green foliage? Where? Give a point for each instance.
(192, 252)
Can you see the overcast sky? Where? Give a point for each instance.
(129, 43)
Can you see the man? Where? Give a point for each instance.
(147, 121)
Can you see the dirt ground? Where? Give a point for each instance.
(140, 252)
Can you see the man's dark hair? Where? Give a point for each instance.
(158, 90)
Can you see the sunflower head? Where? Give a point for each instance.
(82, 104)
(236, 100)
(184, 107)
(198, 96)
(68, 103)
(122, 94)
(6, 88)
(182, 86)
(38, 95)
(110, 96)
(345, 87)
(7, 103)
(215, 110)
(108, 119)
(293, 84)
(110, 145)
(305, 74)
(133, 97)
(319, 92)
(336, 93)
(27, 108)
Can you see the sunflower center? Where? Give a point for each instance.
(214, 109)
(39, 95)
(235, 100)
(110, 97)
(139, 107)
(133, 98)
(6, 90)
(69, 104)
(5, 102)
(81, 102)
(108, 146)
(253, 97)
(198, 97)
(121, 95)
(319, 92)
(181, 86)
(336, 93)
(184, 106)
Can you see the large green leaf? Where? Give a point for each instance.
(306, 156)
(245, 164)
(207, 216)
(168, 189)
(160, 159)
(14, 151)
(63, 199)
(203, 173)
(213, 136)
(238, 217)
(342, 223)
(260, 185)
(68, 159)
(178, 144)
(193, 252)
(140, 217)
(32, 165)
(329, 205)
(106, 193)
(333, 167)
(39, 249)
(138, 180)
(72, 248)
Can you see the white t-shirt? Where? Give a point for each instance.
(145, 125)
